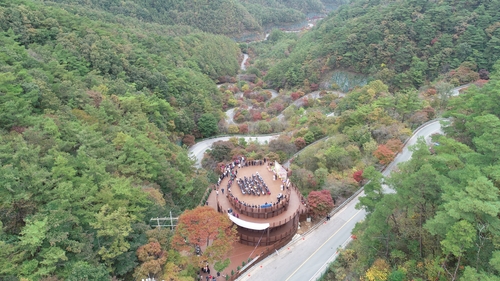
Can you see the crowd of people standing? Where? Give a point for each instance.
(254, 185)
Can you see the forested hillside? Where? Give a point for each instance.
(229, 17)
(443, 221)
(131, 59)
(402, 43)
(96, 96)
(91, 109)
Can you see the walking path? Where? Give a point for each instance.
(312, 95)
(230, 112)
(243, 62)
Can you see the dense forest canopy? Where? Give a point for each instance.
(130, 59)
(95, 97)
(91, 108)
(229, 17)
(403, 43)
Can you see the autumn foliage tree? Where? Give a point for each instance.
(379, 271)
(394, 145)
(188, 140)
(384, 154)
(320, 202)
(358, 176)
(300, 143)
(204, 226)
(243, 128)
(152, 258)
(256, 116)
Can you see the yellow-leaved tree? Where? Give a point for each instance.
(379, 271)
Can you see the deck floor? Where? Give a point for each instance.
(274, 188)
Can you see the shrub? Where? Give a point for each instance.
(243, 128)
(233, 129)
(333, 105)
(320, 202)
(309, 138)
(238, 118)
(232, 102)
(188, 140)
(394, 145)
(300, 143)
(384, 154)
(358, 176)
(256, 116)
(264, 128)
(294, 96)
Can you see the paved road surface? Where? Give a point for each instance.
(199, 148)
(273, 93)
(425, 132)
(456, 91)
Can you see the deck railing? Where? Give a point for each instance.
(259, 212)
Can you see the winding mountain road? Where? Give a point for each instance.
(311, 95)
(230, 112)
(198, 150)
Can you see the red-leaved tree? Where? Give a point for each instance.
(384, 154)
(188, 140)
(320, 202)
(256, 116)
(243, 128)
(394, 145)
(305, 102)
(300, 143)
(295, 96)
(358, 176)
(204, 225)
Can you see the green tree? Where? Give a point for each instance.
(207, 125)
(113, 228)
(83, 271)
(406, 103)
(373, 189)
